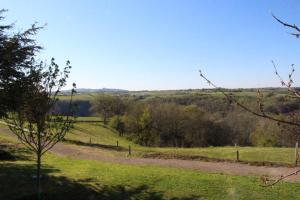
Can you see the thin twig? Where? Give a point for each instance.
(281, 178)
(232, 99)
(292, 26)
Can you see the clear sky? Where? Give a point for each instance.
(161, 44)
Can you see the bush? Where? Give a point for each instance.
(267, 134)
(117, 122)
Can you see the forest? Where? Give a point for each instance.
(191, 118)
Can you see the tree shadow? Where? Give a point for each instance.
(9, 152)
(102, 146)
(17, 183)
(6, 155)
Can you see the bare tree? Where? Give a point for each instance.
(260, 111)
(35, 122)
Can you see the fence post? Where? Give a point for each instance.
(117, 143)
(237, 156)
(296, 154)
(90, 140)
(129, 150)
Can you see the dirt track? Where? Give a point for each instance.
(89, 153)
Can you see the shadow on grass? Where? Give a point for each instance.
(16, 183)
(11, 152)
(102, 146)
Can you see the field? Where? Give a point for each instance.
(66, 177)
(269, 92)
(70, 178)
(98, 134)
(89, 134)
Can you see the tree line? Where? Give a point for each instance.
(191, 122)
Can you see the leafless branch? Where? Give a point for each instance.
(267, 182)
(292, 26)
(290, 82)
(244, 107)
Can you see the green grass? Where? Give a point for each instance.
(250, 154)
(80, 179)
(68, 178)
(102, 135)
(79, 97)
(89, 119)
(98, 133)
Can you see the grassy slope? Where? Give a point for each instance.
(247, 154)
(99, 134)
(77, 179)
(79, 97)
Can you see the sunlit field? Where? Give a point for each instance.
(67, 178)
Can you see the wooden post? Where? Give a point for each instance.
(90, 140)
(129, 150)
(296, 153)
(117, 143)
(237, 155)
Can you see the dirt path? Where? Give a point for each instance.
(89, 153)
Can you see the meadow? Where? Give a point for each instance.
(68, 178)
(97, 133)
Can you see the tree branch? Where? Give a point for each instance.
(232, 99)
(292, 26)
(280, 179)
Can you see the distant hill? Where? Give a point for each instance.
(209, 99)
(115, 90)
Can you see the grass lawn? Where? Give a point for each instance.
(66, 178)
(97, 133)
(79, 97)
(102, 135)
(89, 119)
(247, 154)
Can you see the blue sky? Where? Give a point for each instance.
(161, 44)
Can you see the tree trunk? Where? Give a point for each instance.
(38, 175)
